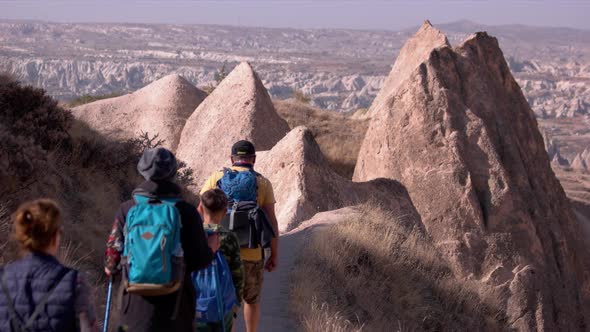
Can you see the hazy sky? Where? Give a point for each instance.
(367, 14)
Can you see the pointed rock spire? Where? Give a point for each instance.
(559, 161)
(415, 51)
(161, 108)
(579, 164)
(304, 184)
(459, 134)
(239, 108)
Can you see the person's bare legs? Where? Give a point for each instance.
(252, 316)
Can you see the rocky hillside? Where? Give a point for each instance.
(459, 134)
(341, 70)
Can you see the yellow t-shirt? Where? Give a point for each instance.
(265, 196)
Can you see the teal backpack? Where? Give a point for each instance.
(153, 262)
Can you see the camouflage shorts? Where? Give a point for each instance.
(254, 272)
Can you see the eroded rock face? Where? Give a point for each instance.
(159, 108)
(415, 51)
(579, 164)
(460, 136)
(304, 184)
(559, 161)
(239, 108)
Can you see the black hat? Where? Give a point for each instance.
(243, 149)
(157, 164)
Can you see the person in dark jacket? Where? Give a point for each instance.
(37, 292)
(161, 313)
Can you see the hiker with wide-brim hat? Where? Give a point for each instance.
(156, 241)
(37, 292)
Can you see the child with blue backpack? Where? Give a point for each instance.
(219, 287)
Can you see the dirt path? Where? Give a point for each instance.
(275, 292)
(275, 315)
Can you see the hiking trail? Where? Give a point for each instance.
(275, 313)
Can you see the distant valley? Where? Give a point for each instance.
(340, 70)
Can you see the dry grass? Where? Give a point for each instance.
(372, 272)
(5, 227)
(71, 254)
(322, 319)
(86, 99)
(339, 136)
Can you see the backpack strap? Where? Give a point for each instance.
(232, 216)
(45, 298)
(14, 316)
(38, 308)
(225, 171)
(254, 172)
(141, 199)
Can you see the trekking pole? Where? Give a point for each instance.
(218, 291)
(108, 306)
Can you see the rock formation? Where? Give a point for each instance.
(459, 134)
(559, 161)
(414, 52)
(159, 108)
(585, 156)
(304, 184)
(579, 164)
(550, 145)
(239, 108)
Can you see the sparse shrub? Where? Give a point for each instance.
(28, 113)
(185, 175)
(301, 97)
(31, 126)
(86, 99)
(21, 159)
(145, 142)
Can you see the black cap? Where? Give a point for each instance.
(243, 149)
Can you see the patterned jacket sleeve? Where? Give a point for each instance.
(230, 248)
(115, 242)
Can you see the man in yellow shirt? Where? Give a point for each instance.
(243, 158)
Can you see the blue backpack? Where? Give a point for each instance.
(239, 186)
(153, 262)
(216, 295)
(241, 189)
